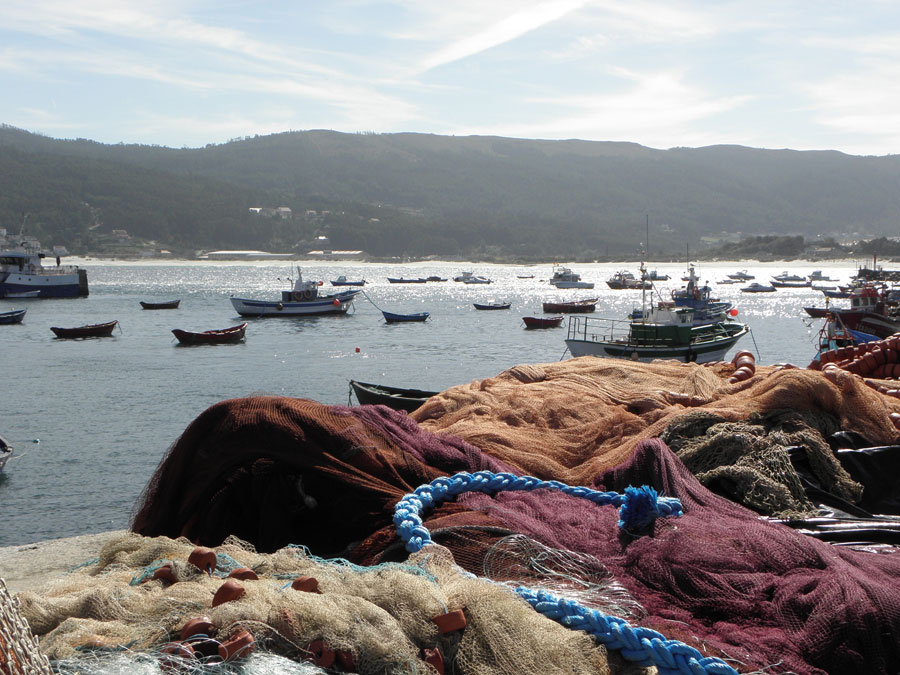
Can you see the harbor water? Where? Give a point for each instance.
(91, 419)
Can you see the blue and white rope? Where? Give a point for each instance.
(638, 508)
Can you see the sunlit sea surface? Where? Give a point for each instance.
(106, 410)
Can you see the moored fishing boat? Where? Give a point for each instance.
(392, 317)
(869, 312)
(301, 300)
(662, 334)
(623, 280)
(211, 337)
(88, 331)
(405, 280)
(570, 307)
(393, 397)
(491, 305)
(14, 316)
(168, 304)
(563, 277)
(542, 321)
(344, 281)
(697, 297)
(22, 271)
(757, 287)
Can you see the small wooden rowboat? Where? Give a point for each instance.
(393, 397)
(15, 316)
(493, 305)
(390, 317)
(169, 304)
(211, 337)
(575, 306)
(542, 321)
(93, 330)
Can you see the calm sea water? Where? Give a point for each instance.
(106, 410)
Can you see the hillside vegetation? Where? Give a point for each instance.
(420, 195)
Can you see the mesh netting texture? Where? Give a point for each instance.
(274, 470)
(142, 595)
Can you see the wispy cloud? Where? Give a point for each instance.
(508, 28)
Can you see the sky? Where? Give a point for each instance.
(806, 75)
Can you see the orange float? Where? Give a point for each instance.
(198, 626)
(434, 658)
(166, 573)
(237, 646)
(451, 621)
(228, 591)
(323, 655)
(243, 573)
(306, 584)
(203, 559)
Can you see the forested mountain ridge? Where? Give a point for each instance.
(420, 194)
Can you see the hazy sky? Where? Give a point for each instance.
(764, 73)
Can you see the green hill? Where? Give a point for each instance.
(419, 194)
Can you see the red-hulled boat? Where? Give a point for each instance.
(542, 321)
(92, 330)
(869, 312)
(211, 337)
(572, 307)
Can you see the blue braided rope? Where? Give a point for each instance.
(639, 507)
(644, 646)
(415, 535)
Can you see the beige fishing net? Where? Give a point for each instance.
(367, 620)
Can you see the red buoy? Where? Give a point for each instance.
(228, 591)
(243, 573)
(200, 625)
(306, 584)
(323, 655)
(165, 572)
(451, 621)
(237, 647)
(203, 559)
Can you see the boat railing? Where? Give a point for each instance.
(597, 329)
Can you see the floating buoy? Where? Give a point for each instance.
(230, 590)
(732, 312)
(336, 302)
(357, 350)
(200, 625)
(451, 621)
(306, 584)
(243, 573)
(238, 646)
(203, 559)
(166, 573)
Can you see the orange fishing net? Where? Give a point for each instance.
(574, 419)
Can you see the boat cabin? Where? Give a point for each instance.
(302, 290)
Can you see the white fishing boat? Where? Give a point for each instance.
(23, 274)
(563, 277)
(302, 299)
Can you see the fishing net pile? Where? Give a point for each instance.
(275, 471)
(149, 596)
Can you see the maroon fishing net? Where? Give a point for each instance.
(274, 470)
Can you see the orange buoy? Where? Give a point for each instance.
(451, 621)
(166, 572)
(228, 591)
(238, 646)
(434, 658)
(357, 350)
(200, 625)
(243, 573)
(203, 559)
(306, 584)
(173, 657)
(336, 302)
(323, 655)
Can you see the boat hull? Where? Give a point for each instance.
(542, 322)
(329, 304)
(390, 317)
(15, 316)
(704, 353)
(576, 307)
(92, 331)
(211, 337)
(47, 285)
(393, 397)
